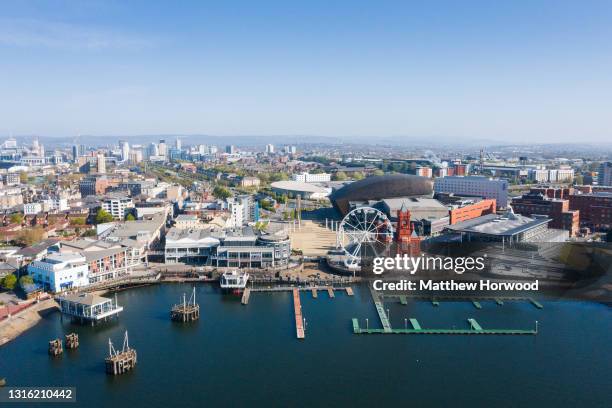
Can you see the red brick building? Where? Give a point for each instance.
(539, 202)
(595, 209)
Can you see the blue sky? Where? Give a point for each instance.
(529, 71)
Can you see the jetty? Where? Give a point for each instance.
(476, 304)
(119, 362)
(55, 347)
(349, 291)
(330, 292)
(475, 328)
(314, 293)
(299, 320)
(187, 311)
(246, 295)
(72, 341)
(380, 309)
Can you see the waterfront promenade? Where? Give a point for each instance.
(13, 326)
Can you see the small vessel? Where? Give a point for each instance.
(234, 281)
(2, 382)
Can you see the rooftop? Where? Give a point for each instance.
(299, 186)
(85, 299)
(499, 224)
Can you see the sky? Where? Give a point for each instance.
(517, 71)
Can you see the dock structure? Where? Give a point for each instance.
(89, 308)
(314, 293)
(187, 311)
(349, 291)
(403, 300)
(380, 309)
(330, 291)
(55, 347)
(475, 328)
(246, 295)
(499, 302)
(476, 304)
(536, 303)
(435, 302)
(72, 341)
(119, 362)
(299, 320)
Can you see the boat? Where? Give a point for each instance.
(234, 281)
(2, 382)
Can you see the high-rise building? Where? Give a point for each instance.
(178, 143)
(153, 150)
(162, 148)
(477, 186)
(270, 148)
(75, 153)
(604, 178)
(230, 149)
(101, 163)
(125, 150)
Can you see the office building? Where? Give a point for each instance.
(117, 206)
(558, 210)
(477, 186)
(604, 177)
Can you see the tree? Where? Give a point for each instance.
(23, 177)
(90, 233)
(340, 176)
(130, 217)
(25, 280)
(9, 282)
(16, 218)
(30, 236)
(78, 221)
(358, 175)
(103, 216)
(378, 173)
(222, 192)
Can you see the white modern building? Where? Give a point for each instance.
(59, 272)
(477, 186)
(117, 206)
(188, 222)
(125, 150)
(270, 148)
(32, 208)
(312, 178)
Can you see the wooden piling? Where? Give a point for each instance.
(55, 347)
(186, 311)
(72, 341)
(120, 362)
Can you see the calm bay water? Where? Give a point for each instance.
(248, 355)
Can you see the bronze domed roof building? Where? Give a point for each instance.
(379, 187)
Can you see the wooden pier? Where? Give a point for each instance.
(349, 291)
(330, 292)
(380, 309)
(119, 362)
(55, 347)
(72, 341)
(246, 295)
(186, 311)
(299, 320)
(314, 293)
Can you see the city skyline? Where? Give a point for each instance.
(521, 73)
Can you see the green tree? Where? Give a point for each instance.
(16, 218)
(222, 192)
(358, 175)
(340, 176)
(78, 221)
(90, 233)
(130, 217)
(25, 280)
(103, 216)
(9, 282)
(378, 173)
(23, 177)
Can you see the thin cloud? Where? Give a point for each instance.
(38, 33)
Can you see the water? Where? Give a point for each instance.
(237, 355)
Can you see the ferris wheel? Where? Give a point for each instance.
(364, 231)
